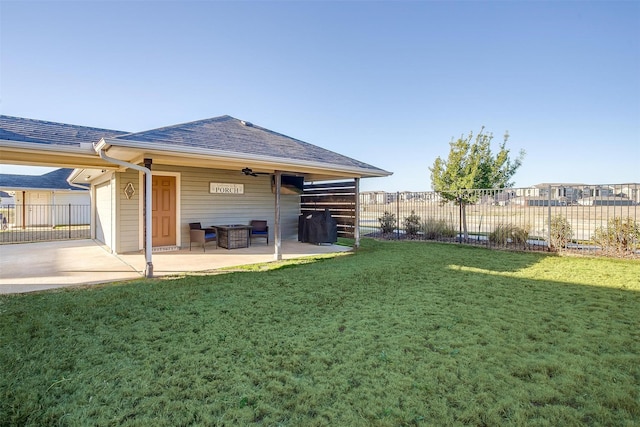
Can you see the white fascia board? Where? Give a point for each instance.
(38, 189)
(31, 146)
(276, 162)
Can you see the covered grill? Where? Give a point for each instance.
(317, 227)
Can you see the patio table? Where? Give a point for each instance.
(233, 236)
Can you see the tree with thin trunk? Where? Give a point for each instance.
(472, 165)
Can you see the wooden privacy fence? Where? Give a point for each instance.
(339, 197)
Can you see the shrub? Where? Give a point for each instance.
(387, 222)
(505, 233)
(620, 236)
(561, 232)
(412, 224)
(436, 228)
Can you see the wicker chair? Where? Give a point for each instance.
(259, 228)
(197, 234)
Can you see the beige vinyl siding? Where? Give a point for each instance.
(128, 218)
(198, 205)
(257, 202)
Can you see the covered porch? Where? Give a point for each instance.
(41, 266)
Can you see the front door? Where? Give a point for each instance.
(163, 210)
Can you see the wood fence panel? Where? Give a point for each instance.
(338, 197)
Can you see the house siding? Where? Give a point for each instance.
(257, 202)
(127, 221)
(198, 205)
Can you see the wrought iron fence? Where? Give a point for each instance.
(599, 219)
(36, 223)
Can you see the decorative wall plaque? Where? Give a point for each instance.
(129, 191)
(223, 188)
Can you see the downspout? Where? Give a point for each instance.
(147, 200)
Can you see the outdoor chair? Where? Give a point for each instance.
(197, 234)
(259, 228)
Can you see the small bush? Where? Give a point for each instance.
(561, 232)
(620, 236)
(437, 228)
(412, 224)
(509, 233)
(387, 222)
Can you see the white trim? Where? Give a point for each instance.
(58, 148)
(278, 163)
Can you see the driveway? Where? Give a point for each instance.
(32, 267)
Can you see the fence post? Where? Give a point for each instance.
(398, 215)
(549, 220)
(69, 221)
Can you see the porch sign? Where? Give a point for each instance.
(221, 188)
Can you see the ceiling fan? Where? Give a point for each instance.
(250, 172)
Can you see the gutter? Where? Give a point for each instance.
(275, 162)
(73, 184)
(100, 147)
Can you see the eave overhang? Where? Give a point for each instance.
(132, 151)
(34, 154)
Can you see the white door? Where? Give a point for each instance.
(38, 208)
(104, 213)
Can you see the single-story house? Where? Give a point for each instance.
(606, 201)
(220, 170)
(42, 200)
(536, 201)
(7, 199)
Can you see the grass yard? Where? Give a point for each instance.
(398, 334)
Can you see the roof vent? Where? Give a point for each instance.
(247, 124)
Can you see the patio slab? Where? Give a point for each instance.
(32, 267)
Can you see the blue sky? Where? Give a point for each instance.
(386, 82)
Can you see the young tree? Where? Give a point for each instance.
(472, 165)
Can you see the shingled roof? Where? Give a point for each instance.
(44, 132)
(226, 133)
(209, 137)
(54, 180)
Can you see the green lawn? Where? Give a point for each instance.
(398, 334)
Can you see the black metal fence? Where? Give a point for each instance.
(36, 223)
(599, 219)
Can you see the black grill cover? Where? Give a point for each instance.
(317, 227)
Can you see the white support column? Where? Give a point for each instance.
(277, 231)
(356, 229)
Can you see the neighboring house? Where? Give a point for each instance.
(535, 201)
(214, 171)
(630, 191)
(7, 199)
(527, 192)
(373, 197)
(562, 192)
(41, 200)
(606, 201)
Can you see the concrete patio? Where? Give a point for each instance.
(32, 267)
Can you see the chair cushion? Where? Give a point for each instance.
(210, 235)
(258, 232)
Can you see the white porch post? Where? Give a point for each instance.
(356, 230)
(277, 230)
